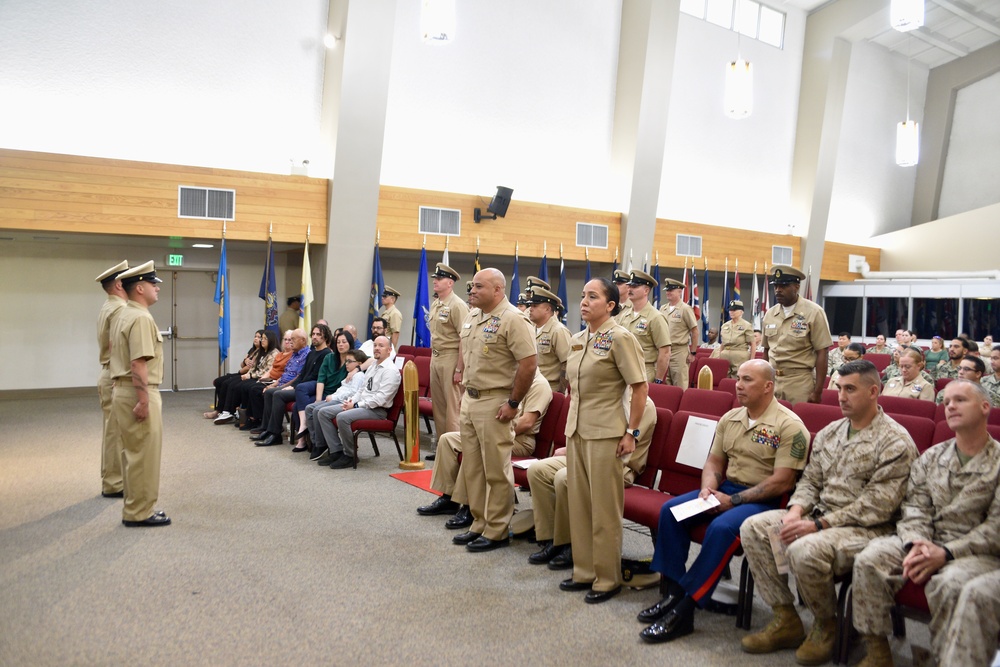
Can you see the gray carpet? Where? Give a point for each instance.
(272, 560)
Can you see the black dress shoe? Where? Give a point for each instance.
(442, 505)
(597, 597)
(674, 625)
(113, 494)
(570, 585)
(158, 519)
(260, 436)
(462, 519)
(430, 457)
(269, 441)
(486, 544)
(257, 430)
(250, 426)
(564, 561)
(660, 609)
(466, 537)
(545, 554)
(298, 450)
(344, 461)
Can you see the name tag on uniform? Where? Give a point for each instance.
(577, 347)
(771, 326)
(467, 325)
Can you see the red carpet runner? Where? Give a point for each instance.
(418, 478)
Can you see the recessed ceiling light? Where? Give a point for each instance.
(202, 245)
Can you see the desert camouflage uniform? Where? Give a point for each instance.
(856, 485)
(945, 370)
(972, 639)
(955, 506)
(834, 360)
(992, 386)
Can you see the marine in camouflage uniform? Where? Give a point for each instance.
(853, 486)
(946, 370)
(991, 383)
(952, 505)
(977, 616)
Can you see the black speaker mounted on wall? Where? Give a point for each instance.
(498, 205)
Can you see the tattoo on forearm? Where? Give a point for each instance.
(718, 477)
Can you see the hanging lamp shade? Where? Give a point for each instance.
(739, 89)
(907, 143)
(906, 15)
(437, 21)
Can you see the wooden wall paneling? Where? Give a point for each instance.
(718, 243)
(835, 260)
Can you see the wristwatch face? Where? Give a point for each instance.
(736, 499)
(635, 434)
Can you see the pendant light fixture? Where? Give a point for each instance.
(437, 21)
(906, 15)
(738, 98)
(907, 132)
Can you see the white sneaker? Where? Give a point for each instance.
(223, 416)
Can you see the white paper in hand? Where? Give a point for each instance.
(692, 507)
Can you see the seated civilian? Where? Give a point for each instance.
(258, 394)
(379, 328)
(260, 368)
(248, 389)
(350, 385)
(221, 383)
(331, 372)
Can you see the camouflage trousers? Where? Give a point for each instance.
(878, 576)
(814, 560)
(972, 637)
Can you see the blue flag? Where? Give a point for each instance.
(222, 298)
(515, 282)
(421, 305)
(562, 288)
(543, 270)
(656, 291)
(269, 293)
(378, 286)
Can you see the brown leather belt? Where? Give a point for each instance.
(801, 371)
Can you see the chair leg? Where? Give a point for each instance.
(398, 450)
(845, 624)
(357, 434)
(427, 422)
(744, 606)
(898, 623)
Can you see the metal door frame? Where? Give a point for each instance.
(172, 331)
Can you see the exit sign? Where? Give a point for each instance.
(175, 260)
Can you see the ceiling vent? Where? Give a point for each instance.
(205, 203)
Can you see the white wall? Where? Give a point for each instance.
(972, 166)
(721, 171)
(871, 194)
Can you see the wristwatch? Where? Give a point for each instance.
(634, 433)
(736, 499)
(514, 404)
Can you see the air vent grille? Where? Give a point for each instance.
(440, 221)
(591, 235)
(210, 203)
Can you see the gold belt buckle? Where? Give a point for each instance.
(474, 393)
(779, 373)
(435, 352)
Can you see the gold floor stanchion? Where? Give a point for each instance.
(411, 407)
(705, 378)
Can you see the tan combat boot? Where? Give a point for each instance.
(817, 649)
(879, 654)
(784, 631)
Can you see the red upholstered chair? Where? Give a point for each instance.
(943, 432)
(666, 396)
(727, 384)
(384, 426)
(939, 413)
(940, 383)
(720, 369)
(921, 429)
(881, 361)
(830, 397)
(994, 417)
(817, 417)
(554, 419)
(907, 406)
(707, 401)
(423, 365)
(410, 350)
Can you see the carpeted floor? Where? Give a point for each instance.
(272, 560)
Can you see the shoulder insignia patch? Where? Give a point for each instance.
(799, 446)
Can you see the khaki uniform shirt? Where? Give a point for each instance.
(778, 439)
(493, 343)
(289, 320)
(792, 342)
(599, 368)
(918, 388)
(945, 370)
(736, 337)
(552, 343)
(391, 315)
(650, 328)
(536, 400)
(859, 481)
(445, 321)
(992, 386)
(953, 505)
(134, 336)
(681, 320)
(624, 312)
(105, 317)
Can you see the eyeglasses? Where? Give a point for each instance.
(968, 369)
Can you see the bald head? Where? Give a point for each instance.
(487, 289)
(755, 386)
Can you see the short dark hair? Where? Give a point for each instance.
(857, 347)
(845, 334)
(978, 363)
(964, 341)
(382, 320)
(358, 354)
(865, 369)
(973, 346)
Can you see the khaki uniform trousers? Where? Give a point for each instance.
(447, 475)
(489, 478)
(550, 499)
(111, 447)
(141, 445)
(815, 560)
(736, 358)
(446, 396)
(596, 503)
(878, 576)
(679, 375)
(972, 639)
(795, 386)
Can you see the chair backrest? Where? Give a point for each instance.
(939, 412)
(559, 432)
(423, 365)
(720, 369)
(881, 361)
(727, 384)
(830, 397)
(666, 396)
(407, 349)
(921, 429)
(392, 414)
(656, 448)
(907, 406)
(817, 416)
(940, 383)
(943, 432)
(547, 431)
(678, 478)
(706, 401)
(994, 417)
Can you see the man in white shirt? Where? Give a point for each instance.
(371, 402)
(379, 328)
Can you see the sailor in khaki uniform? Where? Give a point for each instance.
(601, 434)
(551, 336)
(445, 321)
(849, 493)
(684, 337)
(948, 534)
(910, 384)
(796, 338)
(111, 449)
(735, 338)
(137, 370)
(391, 314)
(498, 362)
(522, 301)
(534, 282)
(649, 326)
(622, 280)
